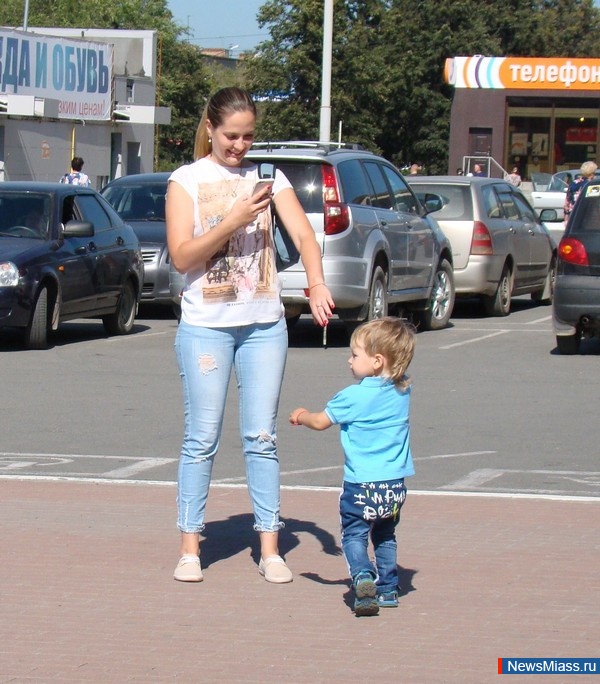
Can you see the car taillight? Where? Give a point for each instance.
(336, 215)
(573, 252)
(482, 240)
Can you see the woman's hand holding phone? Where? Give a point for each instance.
(260, 187)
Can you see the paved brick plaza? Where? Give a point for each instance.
(87, 595)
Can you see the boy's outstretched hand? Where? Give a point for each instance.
(294, 415)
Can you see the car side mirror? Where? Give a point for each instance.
(78, 229)
(548, 215)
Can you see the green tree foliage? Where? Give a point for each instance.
(388, 63)
(183, 82)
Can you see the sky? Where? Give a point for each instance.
(220, 23)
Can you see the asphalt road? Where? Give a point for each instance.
(495, 408)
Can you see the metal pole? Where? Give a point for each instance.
(26, 15)
(325, 119)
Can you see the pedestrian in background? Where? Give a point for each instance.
(76, 175)
(588, 171)
(219, 234)
(373, 416)
(514, 177)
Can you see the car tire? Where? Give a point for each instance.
(378, 295)
(440, 305)
(121, 321)
(544, 296)
(498, 304)
(36, 333)
(568, 344)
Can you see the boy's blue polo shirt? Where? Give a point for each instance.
(374, 421)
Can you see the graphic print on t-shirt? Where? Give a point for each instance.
(244, 269)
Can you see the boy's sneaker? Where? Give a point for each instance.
(366, 606)
(366, 594)
(388, 599)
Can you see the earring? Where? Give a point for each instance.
(209, 139)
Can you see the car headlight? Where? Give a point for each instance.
(9, 274)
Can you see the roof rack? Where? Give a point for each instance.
(316, 144)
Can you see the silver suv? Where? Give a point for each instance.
(382, 252)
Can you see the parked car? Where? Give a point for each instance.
(382, 253)
(139, 200)
(500, 247)
(548, 192)
(65, 254)
(576, 305)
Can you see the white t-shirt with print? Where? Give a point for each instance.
(239, 285)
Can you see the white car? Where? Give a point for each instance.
(549, 191)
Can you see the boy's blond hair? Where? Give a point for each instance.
(394, 339)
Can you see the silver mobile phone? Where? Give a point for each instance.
(262, 184)
(266, 173)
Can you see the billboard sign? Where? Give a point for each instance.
(77, 73)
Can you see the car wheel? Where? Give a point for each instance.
(544, 296)
(499, 304)
(568, 344)
(378, 299)
(121, 321)
(441, 302)
(36, 333)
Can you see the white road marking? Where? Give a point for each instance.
(476, 478)
(464, 453)
(539, 320)
(12, 460)
(413, 492)
(225, 480)
(475, 339)
(140, 335)
(140, 466)
(16, 462)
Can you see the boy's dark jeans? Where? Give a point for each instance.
(372, 509)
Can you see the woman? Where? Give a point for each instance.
(514, 178)
(219, 235)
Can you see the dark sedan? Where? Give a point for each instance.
(576, 305)
(139, 200)
(65, 254)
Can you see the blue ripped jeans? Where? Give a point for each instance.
(206, 357)
(372, 510)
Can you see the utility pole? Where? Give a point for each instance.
(325, 118)
(26, 15)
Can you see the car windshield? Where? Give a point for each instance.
(541, 181)
(139, 202)
(25, 215)
(457, 202)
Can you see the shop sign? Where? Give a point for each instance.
(77, 73)
(525, 73)
(581, 135)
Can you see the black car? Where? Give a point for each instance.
(65, 254)
(139, 199)
(576, 304)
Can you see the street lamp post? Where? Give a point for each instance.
(325, 118)
(26, 15)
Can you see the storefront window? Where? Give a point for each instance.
(550, 140)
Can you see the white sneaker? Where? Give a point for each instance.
(188, 569)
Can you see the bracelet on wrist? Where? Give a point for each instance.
(298, 416)
(316, 285)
